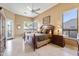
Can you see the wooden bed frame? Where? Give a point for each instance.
(33, 40)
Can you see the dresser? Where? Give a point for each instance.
(58, 40)
(2, 32)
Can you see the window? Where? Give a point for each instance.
(30, 26)
(70, 23)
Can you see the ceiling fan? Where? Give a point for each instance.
(33, 10)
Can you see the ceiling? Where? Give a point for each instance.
(23, 8)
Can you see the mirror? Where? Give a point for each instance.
(70, 25)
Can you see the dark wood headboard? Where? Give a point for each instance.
(47, 28)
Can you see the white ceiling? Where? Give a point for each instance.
(22, 8)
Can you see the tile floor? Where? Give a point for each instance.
(17, 47)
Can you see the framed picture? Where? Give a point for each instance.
(46, 20)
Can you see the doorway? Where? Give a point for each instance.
(9, 29)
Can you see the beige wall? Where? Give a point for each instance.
(9, 14)
(19, 21)
(56, 14)
(70, 41)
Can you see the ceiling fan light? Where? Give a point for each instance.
(25, 12)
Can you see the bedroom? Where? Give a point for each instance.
(29, 17)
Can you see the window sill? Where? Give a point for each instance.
(70, 38)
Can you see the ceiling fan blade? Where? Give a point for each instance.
(29, 8)
(35, 12)
(37, 9)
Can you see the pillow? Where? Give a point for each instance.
(44, 31)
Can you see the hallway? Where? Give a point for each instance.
(17, 47)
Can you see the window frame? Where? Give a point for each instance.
(63, 19)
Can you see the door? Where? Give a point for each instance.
(9, 29)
